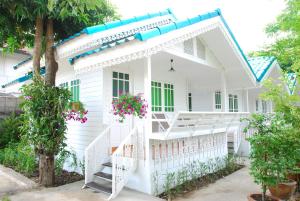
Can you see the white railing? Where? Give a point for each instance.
(97, 153)
(124, 162)
(194, 123)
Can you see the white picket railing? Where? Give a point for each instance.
(97, 153)
(124, 162)
(197, 123)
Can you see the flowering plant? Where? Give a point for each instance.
(129, 105)
(78, 114)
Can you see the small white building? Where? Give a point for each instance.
(195, 77)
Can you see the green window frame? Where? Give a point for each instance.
(120, 84)
(75, 90)
(169, 97)
(190, 102)
(218, 100)
(64, 85)
(233, 103)
(156, 89)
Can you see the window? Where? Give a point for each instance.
(264, 106)
(236, 104)
(256, 106)
(233, 103)
(190, 101)
(218, 100)
(120, 84)
(64, 85)
(200, 49)
(156, 96)
(188, 46)
(169, 97)
(75, 90)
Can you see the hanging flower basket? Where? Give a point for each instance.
(127, 105)
(75, 106)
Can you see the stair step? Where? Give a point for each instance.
(108, 164)
(99, 187)
(104, 175)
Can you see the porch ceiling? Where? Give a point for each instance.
(193, 71)
(205, 75)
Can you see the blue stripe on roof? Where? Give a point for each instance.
(142, 36)
(114, 24)
(291, 82)
(258, 70)
(24, 78)
(261, 65)
(22, 62)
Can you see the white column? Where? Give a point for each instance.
(225, 96)
(247, 100)
(147, 124)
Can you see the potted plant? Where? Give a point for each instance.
(260, 155)
(283, 159)
(272, 154)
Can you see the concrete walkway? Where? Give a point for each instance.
(234, 187)
(73, 192)
(12, 182)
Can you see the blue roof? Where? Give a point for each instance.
(291, 82)
(145, 35)
(24, 78)
(22, 62)
(260, 66)
(117, 23)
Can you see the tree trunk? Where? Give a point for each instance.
(37, 50)
(46, 170)
(51, 64)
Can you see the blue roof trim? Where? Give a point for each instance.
(22, 62)
(261, 65)
(117, 23)
(24, 78)
(291, 82)
(142, 36)
(258, 71)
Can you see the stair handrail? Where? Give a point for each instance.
(96, 153)
(123, 165)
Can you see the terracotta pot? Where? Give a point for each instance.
(257, 197)
(284, 190)
(75, 106)
(294, 176)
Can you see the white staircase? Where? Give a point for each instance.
(108, 172)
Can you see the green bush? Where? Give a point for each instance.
(20, 157)
(9, 129)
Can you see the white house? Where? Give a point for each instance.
(195, 77)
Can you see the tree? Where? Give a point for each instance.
(39, 24)
(286, 34)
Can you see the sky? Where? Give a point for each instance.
(246, 18)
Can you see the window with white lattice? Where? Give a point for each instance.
(188, 47)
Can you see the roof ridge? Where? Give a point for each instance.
(117, 23)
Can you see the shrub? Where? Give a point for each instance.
(9, 129)
(20, 157)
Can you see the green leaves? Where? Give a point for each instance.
(274, 148)
(17, 19)
(44, 121)
(286, 34)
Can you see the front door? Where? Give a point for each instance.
(119, 131)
